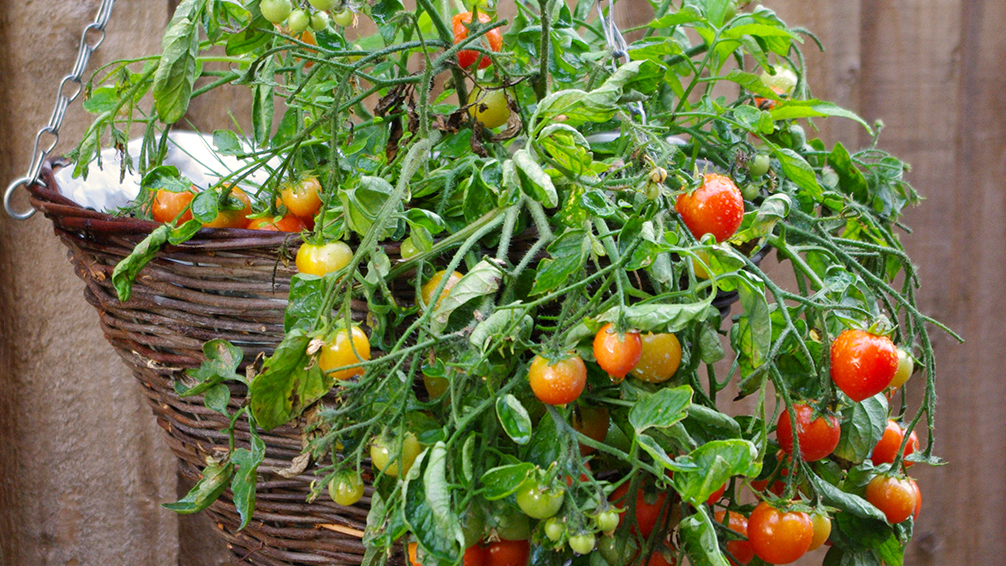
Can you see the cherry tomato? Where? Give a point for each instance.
(894, 496)
(906, 365)
(383, 459)
(475, 555)
(648, 507)
(818, 438)
(288, 223)
(346, 489)
(716, 207)
(511, 524)
(298, 21)
(302, 199)
(435, 386)
(323, 5)
(741, 550)
(231, 218)
(508, 553)
(430, 287)
(413, 554)
(607, 521)
(325, 258)
(783, 82)
(593, 422)
(169, 205)
(489, 107)
(341, 351)
(493, 39)
(582, 543)
(555, 528)
(539, 501)
(887, 448)
(918, 500)
(617, 355)
(715, 496)
(275, 10)
(758, 165)
(862, 364)
(320, 21)
(618, 551)
(779, 537)
(558, 383)
(822, 530)
(659, 357)
(659, 559)
(343, 18)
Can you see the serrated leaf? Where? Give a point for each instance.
(514, 418)
(482, 280)
(863, 425)
(289, 383)
(799, 171)
(216, 477)
(715, 463)
(661, 409)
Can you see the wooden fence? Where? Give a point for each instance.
(83, 468)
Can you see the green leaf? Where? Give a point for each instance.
(850, 178)
(685, 15)
(792, 109)
(226, 142)
(514, 418)
(698, 539)
(263, 108)
(661, 409)
(288, 384)
(715, 463)
(363, 203)
(126, 270)
(306, 298)
(176, 71)
(568, 256)
(539, 187)
(848, 502)
(205, 206)
(658, 317)
(863, 425)
(567, 148)
(102, 99)
(222, 362)
(799, 171)
(246, 477)
(762, 221)
(482, 280)
(165, 177)
(506, 324)
(428, 510)
(501, 481)
(216, 477)
(576, 107)
(217, 397)
(185, 232)
(659, 455)
(753, 332)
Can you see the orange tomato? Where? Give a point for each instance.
(232, 218)
(168, 205)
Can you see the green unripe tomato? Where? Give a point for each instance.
(513, 525)
(323, 5)
(750, 191)
(618, 551)
(582, 543)
(906, 365)
(538, 501)
(489, 107)
(759, 164)
(343, 18)
(607, 521)
(320, 21)
(346, 489)
(554, 529)
(783, 81)
(384, 459)
(298, 21)
(276, 11)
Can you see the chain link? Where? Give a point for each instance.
(90, 40)
(619, 48)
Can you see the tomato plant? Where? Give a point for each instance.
(716, 207)
(779, 537)
(862, 364)
(617, 353)
(894, 496)
(557, 383)
(818, 437)
(493, 39)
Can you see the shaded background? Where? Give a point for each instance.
(83, 468)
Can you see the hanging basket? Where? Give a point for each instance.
(223, 283)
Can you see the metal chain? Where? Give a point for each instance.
(94, 31)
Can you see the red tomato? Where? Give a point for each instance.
(715, 496)
(779, 537)
(862, 364)
(716, 208)
(593, 423)
(818, 438)
(168, 205)
(559, 383)
(885, 450)
(741, 550)
(302, 199)
(894, 496)
(232, 218)
(648, 507)
(467, 57)
(617, 355)
(288, 223)
(658, 559)
(475, 555)
(508, 553)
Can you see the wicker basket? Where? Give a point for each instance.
(223, 283)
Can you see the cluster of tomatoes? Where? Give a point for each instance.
(300, 20)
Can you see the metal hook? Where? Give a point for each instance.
(7, 200)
